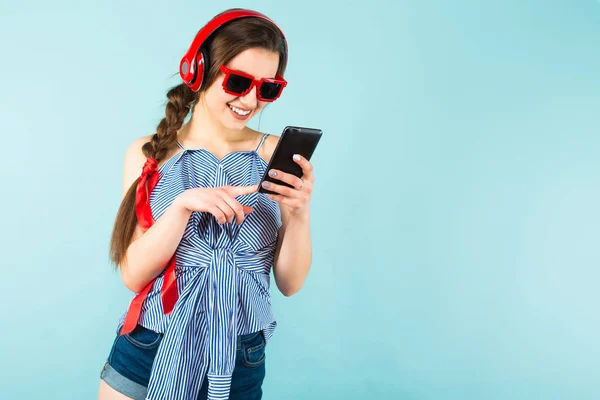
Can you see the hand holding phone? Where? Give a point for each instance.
(294, 140)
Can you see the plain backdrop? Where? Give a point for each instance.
(455, 216)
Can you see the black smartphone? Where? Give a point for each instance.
(293, 140)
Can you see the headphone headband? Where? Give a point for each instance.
(192, 65)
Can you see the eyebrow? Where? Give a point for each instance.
(241, 70)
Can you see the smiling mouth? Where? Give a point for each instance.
(239, 111)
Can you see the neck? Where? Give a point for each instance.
(203, 130)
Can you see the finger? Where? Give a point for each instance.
(227, 210)
(236, 207)
(286, 177)
(247, 210)
(218, 213)
(236, 191)
(307, 168)
(294, 203)
(281, 189)
(307, 186)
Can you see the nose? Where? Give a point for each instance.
(249, 100)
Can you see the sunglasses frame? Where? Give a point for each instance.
(255, 82)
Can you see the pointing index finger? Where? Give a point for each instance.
(242, 190)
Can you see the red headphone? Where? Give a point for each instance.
(191, 67)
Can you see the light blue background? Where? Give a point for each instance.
(455, 217)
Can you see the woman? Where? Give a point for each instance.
(195, 239)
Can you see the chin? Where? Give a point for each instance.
(235, 123)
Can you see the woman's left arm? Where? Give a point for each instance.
(293, 256)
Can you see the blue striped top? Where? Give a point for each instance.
(222, 274)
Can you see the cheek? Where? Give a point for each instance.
(217, 98)
(261, 105)
(216, 92)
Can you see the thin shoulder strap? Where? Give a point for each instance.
(180, 145)
(262, 140)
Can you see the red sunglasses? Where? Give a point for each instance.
(240, 84)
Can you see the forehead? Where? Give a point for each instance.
(259, 63)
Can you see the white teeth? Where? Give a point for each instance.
(238, 111)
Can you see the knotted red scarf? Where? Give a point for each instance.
(169, 295)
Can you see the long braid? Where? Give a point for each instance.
(181, 100)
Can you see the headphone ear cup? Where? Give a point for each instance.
(198, 64)
(203, 67)
(192, 82)
(198, 70)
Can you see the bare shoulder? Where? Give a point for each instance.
(268, 147)
(134, 161)
(134, 151)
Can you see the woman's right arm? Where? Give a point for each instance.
(150, 251)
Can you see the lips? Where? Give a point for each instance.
(239, 113)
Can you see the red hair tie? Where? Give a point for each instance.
(145, 185)
(169, 293)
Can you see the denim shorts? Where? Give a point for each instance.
(127, 369)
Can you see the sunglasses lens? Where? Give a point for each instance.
(238, 84)
(269, 90)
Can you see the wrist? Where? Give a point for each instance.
(179, 204)
(302, 216)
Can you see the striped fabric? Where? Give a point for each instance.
(222, 276)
